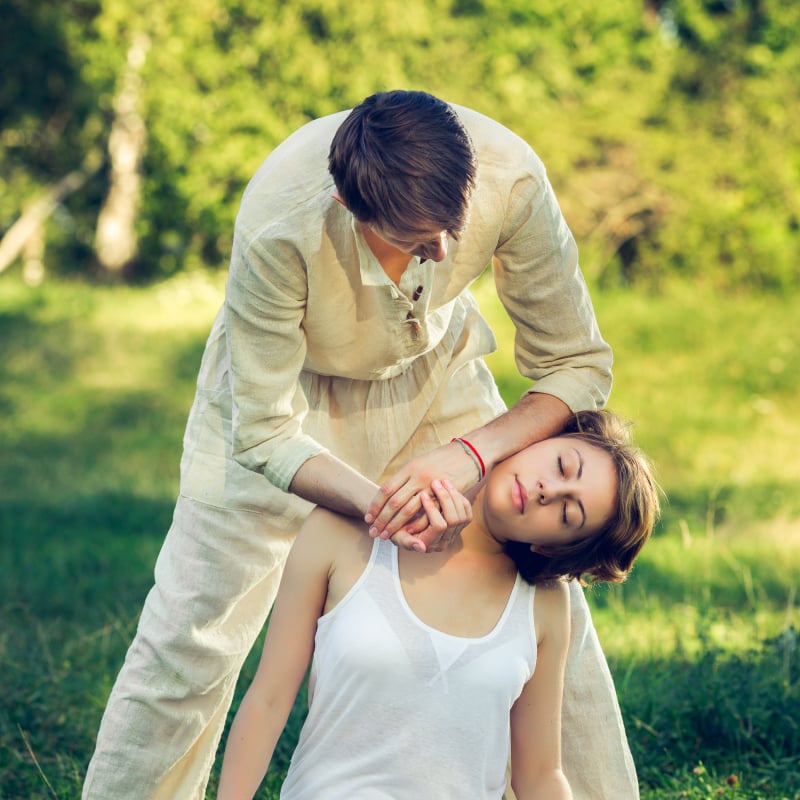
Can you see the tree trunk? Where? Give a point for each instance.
(116, 243)
(29, 225)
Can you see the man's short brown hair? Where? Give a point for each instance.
(404, 163)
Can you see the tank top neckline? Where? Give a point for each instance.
(395, 571)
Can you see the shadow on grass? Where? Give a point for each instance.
(77, 574)
(82, 560)
(738, 714)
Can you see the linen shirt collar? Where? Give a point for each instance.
(372, 273)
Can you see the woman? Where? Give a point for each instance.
(430, 668)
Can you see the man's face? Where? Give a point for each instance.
(427, 245)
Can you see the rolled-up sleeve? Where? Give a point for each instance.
(264, 309)
(558, 343)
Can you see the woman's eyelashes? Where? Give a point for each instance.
(563, 473)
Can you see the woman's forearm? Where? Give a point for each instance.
(251, 743)
(552, 785)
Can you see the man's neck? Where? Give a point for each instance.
(393, 261)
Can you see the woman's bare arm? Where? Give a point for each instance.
(536, 772)
(287, 652)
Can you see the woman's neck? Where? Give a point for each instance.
(476, 535)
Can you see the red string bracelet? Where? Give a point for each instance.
(473, 454)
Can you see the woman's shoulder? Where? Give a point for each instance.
(337, 538)
(344, 546)
(324, 525)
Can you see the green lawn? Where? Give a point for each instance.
(94, 391)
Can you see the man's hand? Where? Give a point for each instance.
(397, 503)
(441, 518)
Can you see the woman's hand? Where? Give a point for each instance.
(441, 519)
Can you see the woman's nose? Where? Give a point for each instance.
(548, 491)
(543, 490)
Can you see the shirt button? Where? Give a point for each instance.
(418, 292)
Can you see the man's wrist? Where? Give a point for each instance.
(474, 455)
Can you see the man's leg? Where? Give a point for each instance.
(596, 756)
(595, 753)
(216, 579)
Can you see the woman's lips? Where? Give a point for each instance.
(519, 496)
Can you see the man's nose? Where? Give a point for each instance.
(439, 248)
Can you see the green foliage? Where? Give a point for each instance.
(668, 135)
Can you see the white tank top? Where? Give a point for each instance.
(401, 711)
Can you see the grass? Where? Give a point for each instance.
(95, 386)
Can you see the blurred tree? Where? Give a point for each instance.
(25, 235)
(116, 241)
(666, 125)
(50, 127)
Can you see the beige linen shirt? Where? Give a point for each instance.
(316, 348)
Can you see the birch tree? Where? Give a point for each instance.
(115, 241)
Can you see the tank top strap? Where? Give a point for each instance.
(522, 603)
(379, 577)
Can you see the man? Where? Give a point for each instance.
(348, 351)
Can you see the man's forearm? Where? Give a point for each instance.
(329, 482)
(535, 417)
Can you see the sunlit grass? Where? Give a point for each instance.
(95, 387)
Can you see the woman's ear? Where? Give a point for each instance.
(338, 198)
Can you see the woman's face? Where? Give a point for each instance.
(556, 491)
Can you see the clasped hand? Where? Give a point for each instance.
(421, 507)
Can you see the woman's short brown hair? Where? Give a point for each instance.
(403, 162)
(608, 554)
